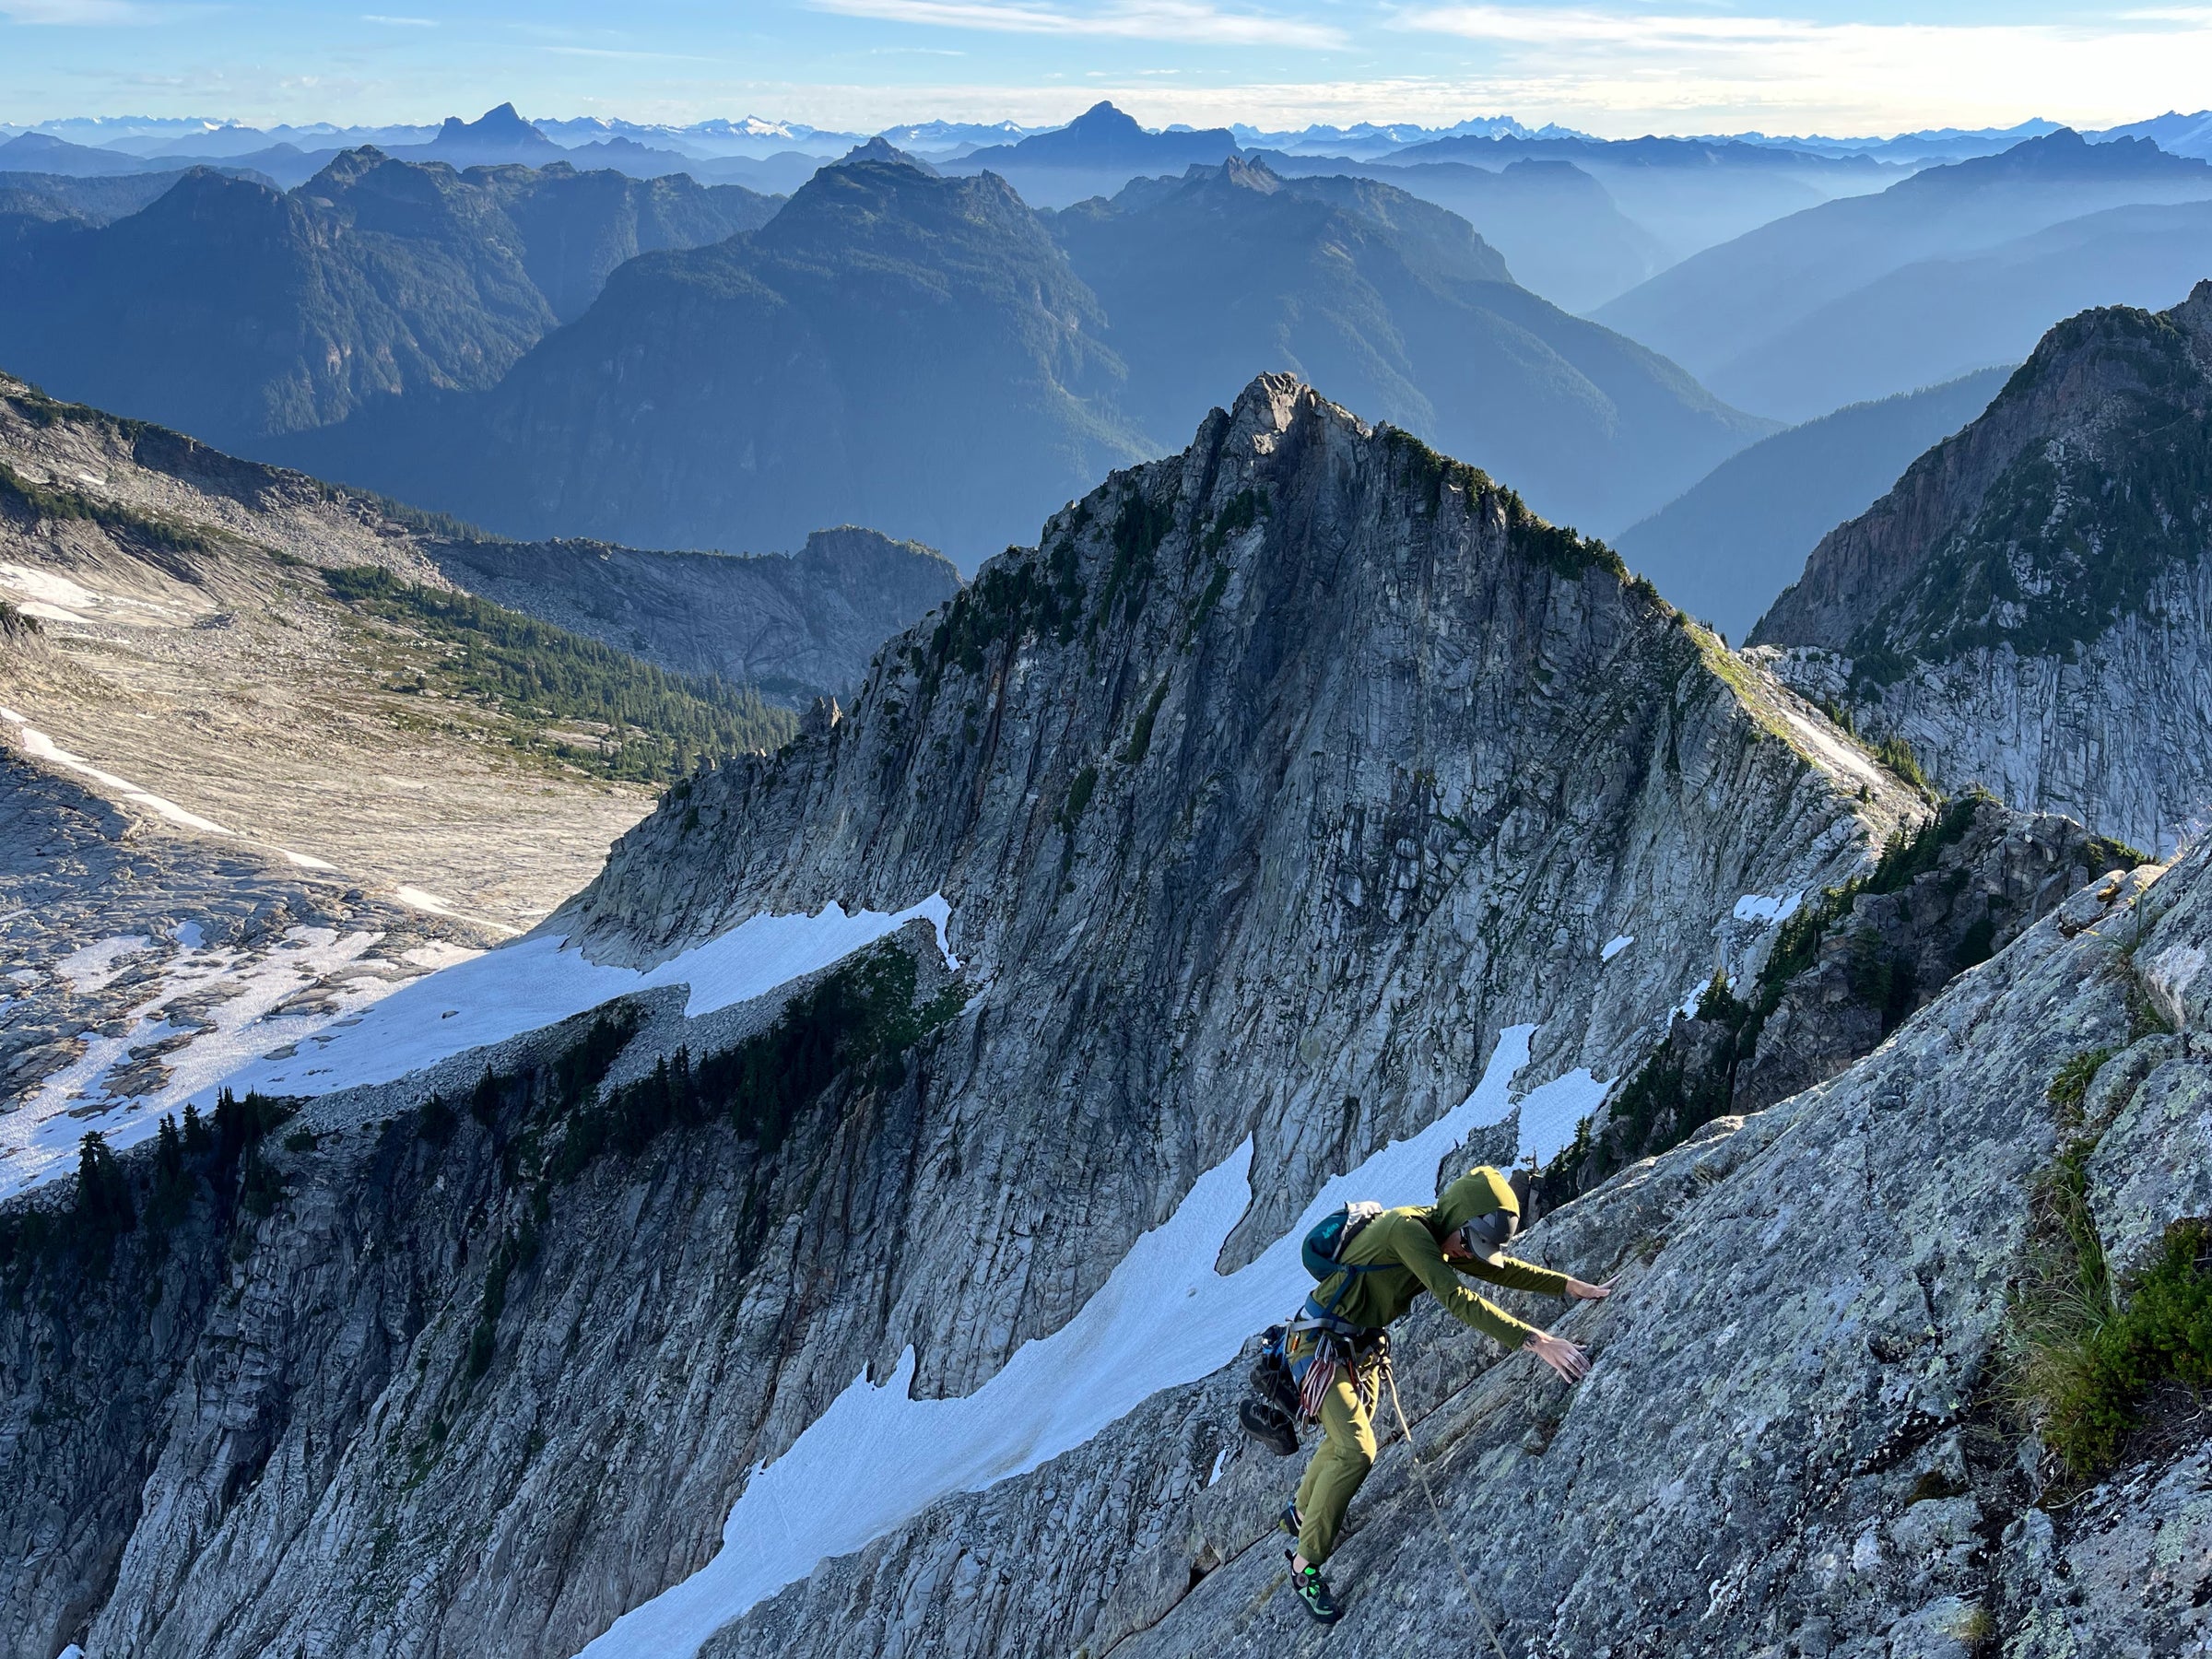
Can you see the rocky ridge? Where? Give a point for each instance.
(1262, 797)
(2028, 607)
(1794, 1443)
(797, 626)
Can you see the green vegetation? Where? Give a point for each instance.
(1078, 798)
(655, 723)
(1669, 1099)
(1554, 547)
(2084, 1356)
(1140, 735)
(2068, 538)
(551, 1123)
(214, 1163)
(1009, 600)
(51, 503)
(1897, 755)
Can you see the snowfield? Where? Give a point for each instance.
(378, 1029)
(1164, 1317)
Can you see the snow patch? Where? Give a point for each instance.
(38, 1139)
(1164, 1317)
(45, 588)
(94, 967)
(1553, 1112)
(42, 747)
(369, 1029)
(1759, 907)
(1615, 946)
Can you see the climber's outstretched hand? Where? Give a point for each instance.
(1582, 1290)
(1561, 1355)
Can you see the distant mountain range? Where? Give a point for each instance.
(1727, 545)
(1560, 230)
(1940, 316)
(892, 348)
(1747, 317)
(235, 311)
(1096, 154)
(926, 354)
(1688, 193)
(1404, 313)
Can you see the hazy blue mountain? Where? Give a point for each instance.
(494, 138)
(87, 200)
(776, 174)
(1558, 227)
(1726, 546)
(1730, 303)
(1095, 154)
(1404, 314)
(893, 347)
(235, 311)
(2173, 132)
(1689, 193)
(42, 152)
(576, 227)
(1936, 317)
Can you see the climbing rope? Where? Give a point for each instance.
(1390, 1376)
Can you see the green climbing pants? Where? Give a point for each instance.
(1347, 1453)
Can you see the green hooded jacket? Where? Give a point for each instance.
(1411, 1240)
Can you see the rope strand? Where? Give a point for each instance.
(1390, 1376)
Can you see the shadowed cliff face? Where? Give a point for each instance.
(2029, 606)
(1274, 785)
(797, 626)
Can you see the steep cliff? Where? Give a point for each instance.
(2029, 606)
(1812, 1426)
(1406, 313)
(1287, 811)
(238, 312)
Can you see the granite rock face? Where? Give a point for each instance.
(1276, 784)
(2029, 607)
(1848, 967)
(1788, 1446)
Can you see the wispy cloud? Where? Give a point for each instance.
(617, 52)
(399, 22)
(1754, 70)
(1181, 21)
(93, 14)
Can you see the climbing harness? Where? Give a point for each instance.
(1298, 1362)
(1435, 1509)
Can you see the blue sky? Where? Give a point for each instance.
(1613, 66)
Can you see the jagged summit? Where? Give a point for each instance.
(880, 149)
(2027, 605)
(1106, 137)
(1291, 798)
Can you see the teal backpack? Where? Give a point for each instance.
(1324, 1243)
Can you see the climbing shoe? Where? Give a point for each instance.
(1290, 1521)
(1313, 1591)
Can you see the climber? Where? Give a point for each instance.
(1403, 1251)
